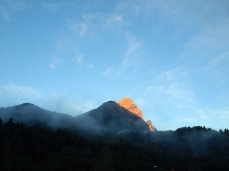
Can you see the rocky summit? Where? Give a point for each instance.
(129, 105)
(151, 127)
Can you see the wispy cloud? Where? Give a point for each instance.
(88, 25)
(8, 8)
(208, 117)
(218, 68)
(79, 58)
(93, 24)
(141, 102)
(174, 85)
(25, 92)
(109, 72)
(54, 63)
(131, 62)
(90, 66)
(51, 6)
(63, 48)
(13, 94)
(79, 29)
(64, 43)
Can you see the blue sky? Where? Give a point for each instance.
(171, 57)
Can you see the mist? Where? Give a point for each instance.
(113, 126)
(109, 117)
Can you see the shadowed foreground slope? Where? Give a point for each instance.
(38, 148)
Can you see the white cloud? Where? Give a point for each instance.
(109, 72)
(131, 62)
(13, 94)
(133, 44)
(141, 102)
(15, 91)
(52, 66)
(79, 58)
(80, 28)
(94, 24)
(9, 8)
(90, 66)
(5, 13)
(218, 68)
(64, 44)
(175, 88)
(180, 92)
(54, 63)
(114, 22)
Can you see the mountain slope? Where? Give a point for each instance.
(129, 105)
(111, 117)
(31, 115)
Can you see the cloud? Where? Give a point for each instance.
(141, 102)
(133, 58)
(15, 91)
(109, 72)
(90, 25)
(86, 26)
(9, 8)
(54, 63)
(63, 48)
(90, 66)
(13, 94)
(79, 58)
(64, 44)
(79, 29)
(131, 62)
(51, 6)
(174, 86)
(218, 68)
(52, 66)
(216, 118)
(114, 21)
(5, 13)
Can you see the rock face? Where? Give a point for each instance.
(129, 105)
(151, 127)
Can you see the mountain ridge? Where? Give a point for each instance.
(129, 105)
(108, 117)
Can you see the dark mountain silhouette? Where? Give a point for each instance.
(38, 148)
(31, 115)
(109, 117)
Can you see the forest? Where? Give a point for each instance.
(41, 148)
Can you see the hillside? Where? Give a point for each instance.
(109, 117)
(38, 148)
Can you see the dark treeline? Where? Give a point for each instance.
(39, 148)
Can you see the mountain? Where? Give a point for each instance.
(31, 115)
(129, 105)
(151, 127)
(111, 117)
